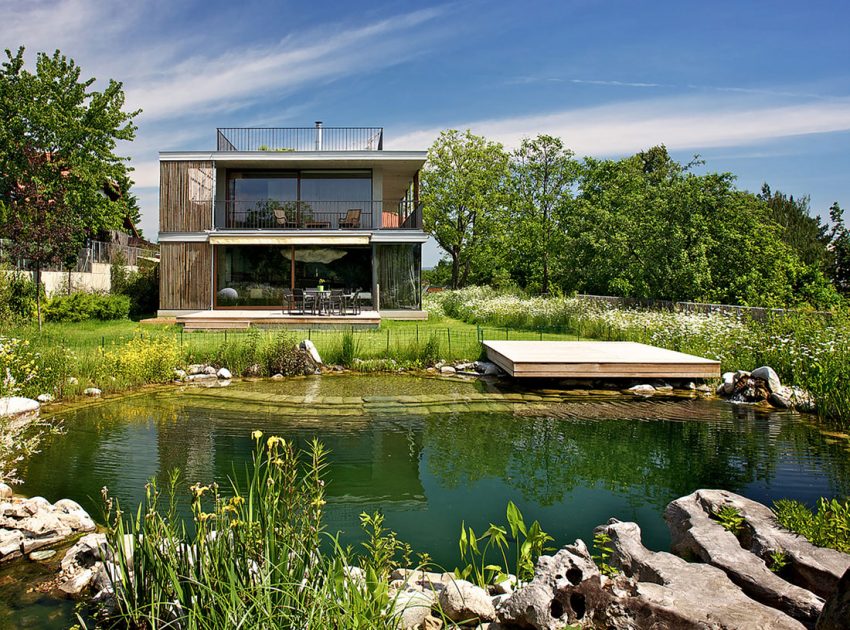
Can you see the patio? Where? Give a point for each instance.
(242, 319)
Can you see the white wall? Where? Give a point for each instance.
(57, 281)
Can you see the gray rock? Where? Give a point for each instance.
(767, 374)
(195, 368)
(19, 408)
(696, 535)
(310, 348)
(728, 383)
(6, 491)
(209, 370)
(179, 375)
(836, 612)
(779, 401)
(278, 377)
(816, 569)
(224, 374)
(72, 380)
(44, 398)
(44, 554)
(703, 388)
(700, 595)
(201, 378)
(462, 601)
(448, 369)
(642, 390)
(92, 391)
(802, 400)
(410, 608)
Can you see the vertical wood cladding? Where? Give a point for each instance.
(185, 276)
(185, 196)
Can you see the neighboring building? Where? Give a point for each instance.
(275, 210)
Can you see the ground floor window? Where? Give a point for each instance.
(258, 275)
(398, 275)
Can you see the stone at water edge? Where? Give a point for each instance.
(836, 611)
(6, 491)
(209, 370)
(224, 374)
(195, 368)
(92, 391)
(411, 608)
(448, 369)
(19, 408)
(72, 380)
(461, 601)
(767, 374)
(779, 401)
(310, 348)
(728, 384)
(642, 390)
(44, 398)
(179, 375)
(43, 554)
(278, 377)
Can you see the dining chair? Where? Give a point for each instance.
(312, 301)
(335, 301)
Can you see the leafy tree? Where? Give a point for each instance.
(543, 173)
(463, 196)
(804, 233)
(839, 241)
(56, 127)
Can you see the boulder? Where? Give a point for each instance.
(195, 368)
(697, 595)
(82, 563)
(642, 390)
(779, 401)
(487, 368)
(224, 374)
(19, 408)
(6, 491)
(728, 384)
(209, 370)
(448, 369)
(179, 375)
(410, 608)
(72, 380)
(802, 400)
(44, 398)
(768, 375)
(462, 601)
(27, 525)
(310, 348)
(696, 535)
(836, 612)
(278, 377)
(816, 569)
(92, 391)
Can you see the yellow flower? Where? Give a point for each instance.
(273, 441)
(237, 500)
(256, 435)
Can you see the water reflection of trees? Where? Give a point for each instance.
(648, 461)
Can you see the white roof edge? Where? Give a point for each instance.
(292, 156)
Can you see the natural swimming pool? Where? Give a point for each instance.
(431, 452)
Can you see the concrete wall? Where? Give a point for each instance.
(97, 281)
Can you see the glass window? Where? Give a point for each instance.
(398, 276)
(261, 200)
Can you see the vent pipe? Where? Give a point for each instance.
(318, 135)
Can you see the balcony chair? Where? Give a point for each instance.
(284, 220)
(351, 220)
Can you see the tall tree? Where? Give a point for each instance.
(57, 142)
(543, 173)
(804, 233)
(463, 196)
(839, 242)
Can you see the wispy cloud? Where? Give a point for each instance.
(680, 123)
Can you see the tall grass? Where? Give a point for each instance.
(257, 555)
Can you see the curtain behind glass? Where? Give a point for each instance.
(398, 275)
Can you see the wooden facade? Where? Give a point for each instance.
(185, 276)
(186, 191)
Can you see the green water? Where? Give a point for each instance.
(431, 452)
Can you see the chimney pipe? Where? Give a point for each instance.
(318, 135)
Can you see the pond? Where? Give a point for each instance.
(432, 452)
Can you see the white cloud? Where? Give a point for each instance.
(679, 123)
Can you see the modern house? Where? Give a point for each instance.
(274, 211)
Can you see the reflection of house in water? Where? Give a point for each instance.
(370, 462)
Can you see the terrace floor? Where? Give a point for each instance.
(596, 359)
(244, 319)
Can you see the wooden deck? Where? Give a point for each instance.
(596, 359)
(244, 319)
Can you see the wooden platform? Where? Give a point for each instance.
(596, 359)
(244, 319)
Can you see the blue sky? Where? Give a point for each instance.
(761, 89)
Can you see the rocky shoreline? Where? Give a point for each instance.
(714, 578)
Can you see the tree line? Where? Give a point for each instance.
(644, 226)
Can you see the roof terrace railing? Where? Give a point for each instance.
(285, 139)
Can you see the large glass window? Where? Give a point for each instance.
(257, 275)
(399, 267)
(257, 200)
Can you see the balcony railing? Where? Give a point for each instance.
(284, 139)
(270, 214)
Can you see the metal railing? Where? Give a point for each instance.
(94, 252)
(284, 139)
(271, 214)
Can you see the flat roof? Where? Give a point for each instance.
(314, 158)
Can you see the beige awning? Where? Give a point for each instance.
(289, 239)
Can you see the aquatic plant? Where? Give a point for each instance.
(827, 526)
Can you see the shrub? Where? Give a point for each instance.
(17, 295)
(143, 359)
(828, 526)
(142, 286)
(282, 356)
(81, 306)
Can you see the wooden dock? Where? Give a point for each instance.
(245, 318)
(596, 359)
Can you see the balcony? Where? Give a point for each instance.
(286, 139)
(270, 214)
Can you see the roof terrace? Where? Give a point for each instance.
(286, 139)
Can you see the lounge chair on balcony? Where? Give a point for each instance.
(284, 220)
(351, 220)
